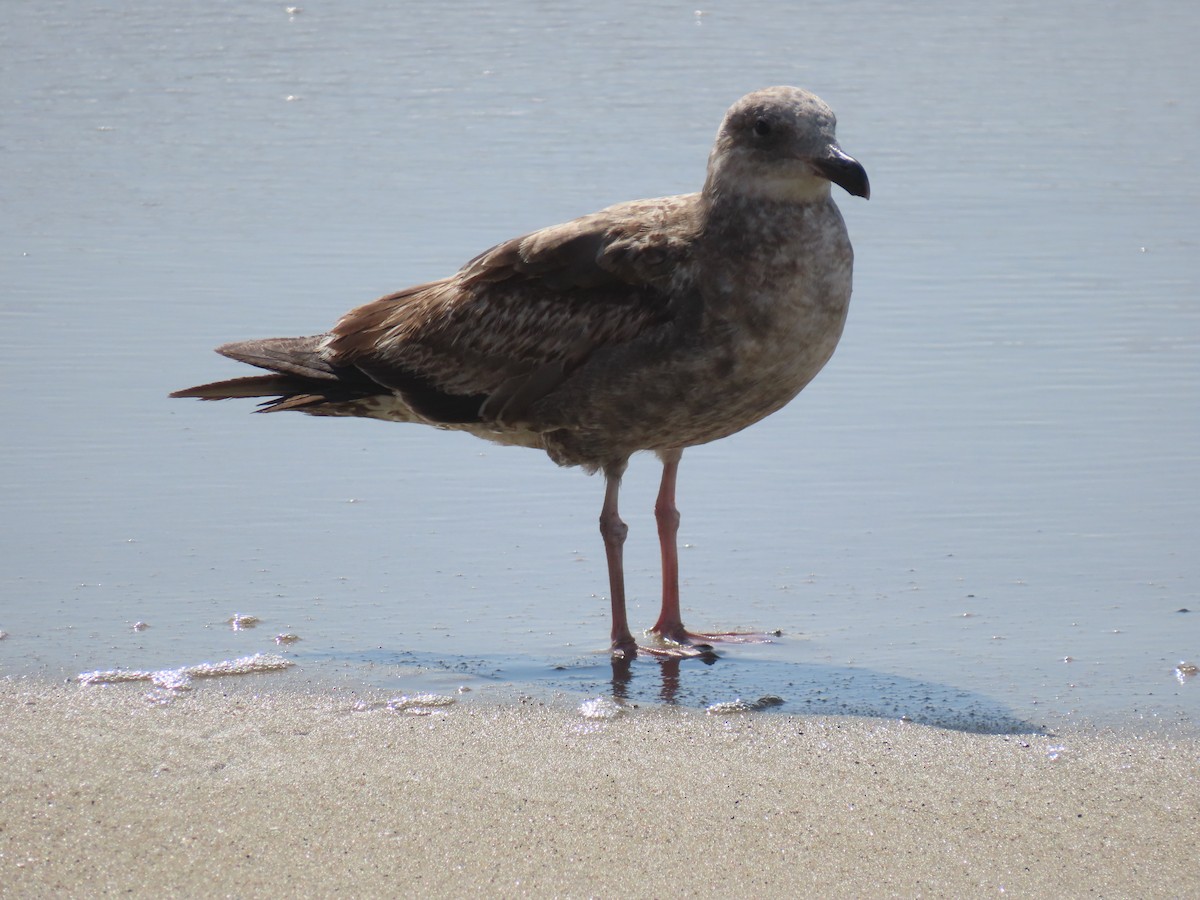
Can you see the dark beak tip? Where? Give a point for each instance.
(854, 182)
(853, 179)
(847, 173)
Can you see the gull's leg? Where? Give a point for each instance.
(613, 531)
(670, 623)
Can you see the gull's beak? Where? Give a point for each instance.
(844, 171)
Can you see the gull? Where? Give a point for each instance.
(655, 325)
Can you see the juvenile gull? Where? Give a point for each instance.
(650, 325)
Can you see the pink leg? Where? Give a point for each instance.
(669, 624)
(613, 531)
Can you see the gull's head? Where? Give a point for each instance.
(779, 144)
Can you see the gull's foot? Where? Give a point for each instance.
(679, 635)
(665, 649)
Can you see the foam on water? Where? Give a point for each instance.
(180, 679)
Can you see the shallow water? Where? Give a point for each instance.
(984, 510)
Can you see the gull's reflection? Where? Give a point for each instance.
(668, 670)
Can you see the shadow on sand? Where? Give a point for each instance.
(783, 686)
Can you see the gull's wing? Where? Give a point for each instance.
(514, 322)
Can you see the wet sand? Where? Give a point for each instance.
(225, 791)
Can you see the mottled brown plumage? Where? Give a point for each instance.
(650, 325)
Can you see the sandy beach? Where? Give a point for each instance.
(231, 792)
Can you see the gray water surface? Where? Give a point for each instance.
(983, 511)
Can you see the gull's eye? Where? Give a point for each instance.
(762, 127)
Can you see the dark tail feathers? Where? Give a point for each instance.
(300, 376)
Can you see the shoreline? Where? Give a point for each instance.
(247, 791)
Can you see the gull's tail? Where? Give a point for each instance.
(301, 377)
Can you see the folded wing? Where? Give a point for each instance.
(515, 321)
